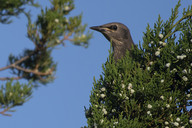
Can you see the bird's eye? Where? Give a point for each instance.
(113, 27)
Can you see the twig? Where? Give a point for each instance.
(10, 78)
(66, 37)
(190, 113)
(5, 110)
(170, 32)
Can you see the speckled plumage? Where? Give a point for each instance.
(119, 35)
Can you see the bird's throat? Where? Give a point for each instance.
(119, 52)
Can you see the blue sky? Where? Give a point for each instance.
(61, 104)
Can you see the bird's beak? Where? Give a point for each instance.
(98, 28)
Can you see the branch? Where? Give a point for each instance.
(43, 79)
(10, 78)
(34, 71)
(66, 37)
(17, 62)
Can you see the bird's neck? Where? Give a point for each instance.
(120, 48)
(118, 52)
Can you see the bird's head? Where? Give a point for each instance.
(119, 35)
(115, 32)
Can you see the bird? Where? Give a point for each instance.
(119, 35)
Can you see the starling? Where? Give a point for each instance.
(120, 37)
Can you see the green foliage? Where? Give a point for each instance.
(52, 28)
(14, 94)
(151, 86)
(9, 8)
(40, 62)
